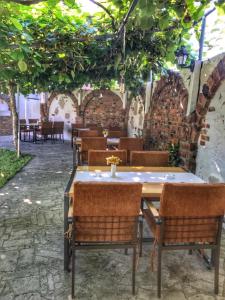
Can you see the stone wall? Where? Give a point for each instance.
(5, 117)
(164, 120)
(5, 125)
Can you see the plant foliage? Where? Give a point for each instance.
(54, 45)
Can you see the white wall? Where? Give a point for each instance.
(29, 106)
(136, 117)
(211, 156)
(4, 108)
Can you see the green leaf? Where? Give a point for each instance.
(37, 62)
(22, 66)
(17, 24)
(17, 55)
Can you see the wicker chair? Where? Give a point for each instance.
(25, 131)
(90, 143)
(57, 130)
(88, 133)
(130, 144)
(116, 133)
(190, 217)
(33, 121)
(45, 132)
(149, 158)
(108, 221)
(98, 157)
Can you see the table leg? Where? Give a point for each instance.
(66, 227)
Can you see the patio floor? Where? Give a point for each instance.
(31, 245)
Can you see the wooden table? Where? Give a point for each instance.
(110, 141)
(148, 190)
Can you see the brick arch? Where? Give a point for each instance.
(164, 120)
(105, 111)
(195, 123)
(44, 109)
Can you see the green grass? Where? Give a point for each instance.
(10, 164)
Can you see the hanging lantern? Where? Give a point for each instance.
(182, 56)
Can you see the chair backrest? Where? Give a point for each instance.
(149, 158)
(191, 212)
(93, 143)
(46, 128)
(115, 128)
(88, 133)
(23, 121)
(33, 121)
(116, 133)
(106, 212)
(130, 144)
(92, 126)
(77, 125)
(98, 157)
(58, 127)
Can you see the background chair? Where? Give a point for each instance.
(190, 217)
(149, 158)
(25, 132)
(130, 144)
(98, 157)
(33, 121)
(58, 129)
(74, 130)
(116, 134)
(91, 143)
(88, 133)
(46, 131)
(108, 221)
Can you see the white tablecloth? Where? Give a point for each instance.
(142, 177)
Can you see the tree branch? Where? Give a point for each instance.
(107, 11)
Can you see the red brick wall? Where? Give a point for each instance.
(5, 125)
(104, 111)
(164, 122)
(167, 121)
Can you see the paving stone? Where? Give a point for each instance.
(31, 246)
(25, 285)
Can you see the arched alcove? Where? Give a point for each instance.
(164, 121)
(63, 107)
(104, 108)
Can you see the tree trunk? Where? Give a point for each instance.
(12, 103)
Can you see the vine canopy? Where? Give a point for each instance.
(55, 45)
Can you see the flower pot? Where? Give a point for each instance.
(113, 171)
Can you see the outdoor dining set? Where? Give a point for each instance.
(116, 186)
(35, 131)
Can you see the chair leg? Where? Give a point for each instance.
(126, 251)
(141, 236)
(134, 269)
(73, 271)
(159, 266)
(216, 263)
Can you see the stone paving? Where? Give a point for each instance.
(31, 245)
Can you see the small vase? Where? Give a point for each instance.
(113, 171)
